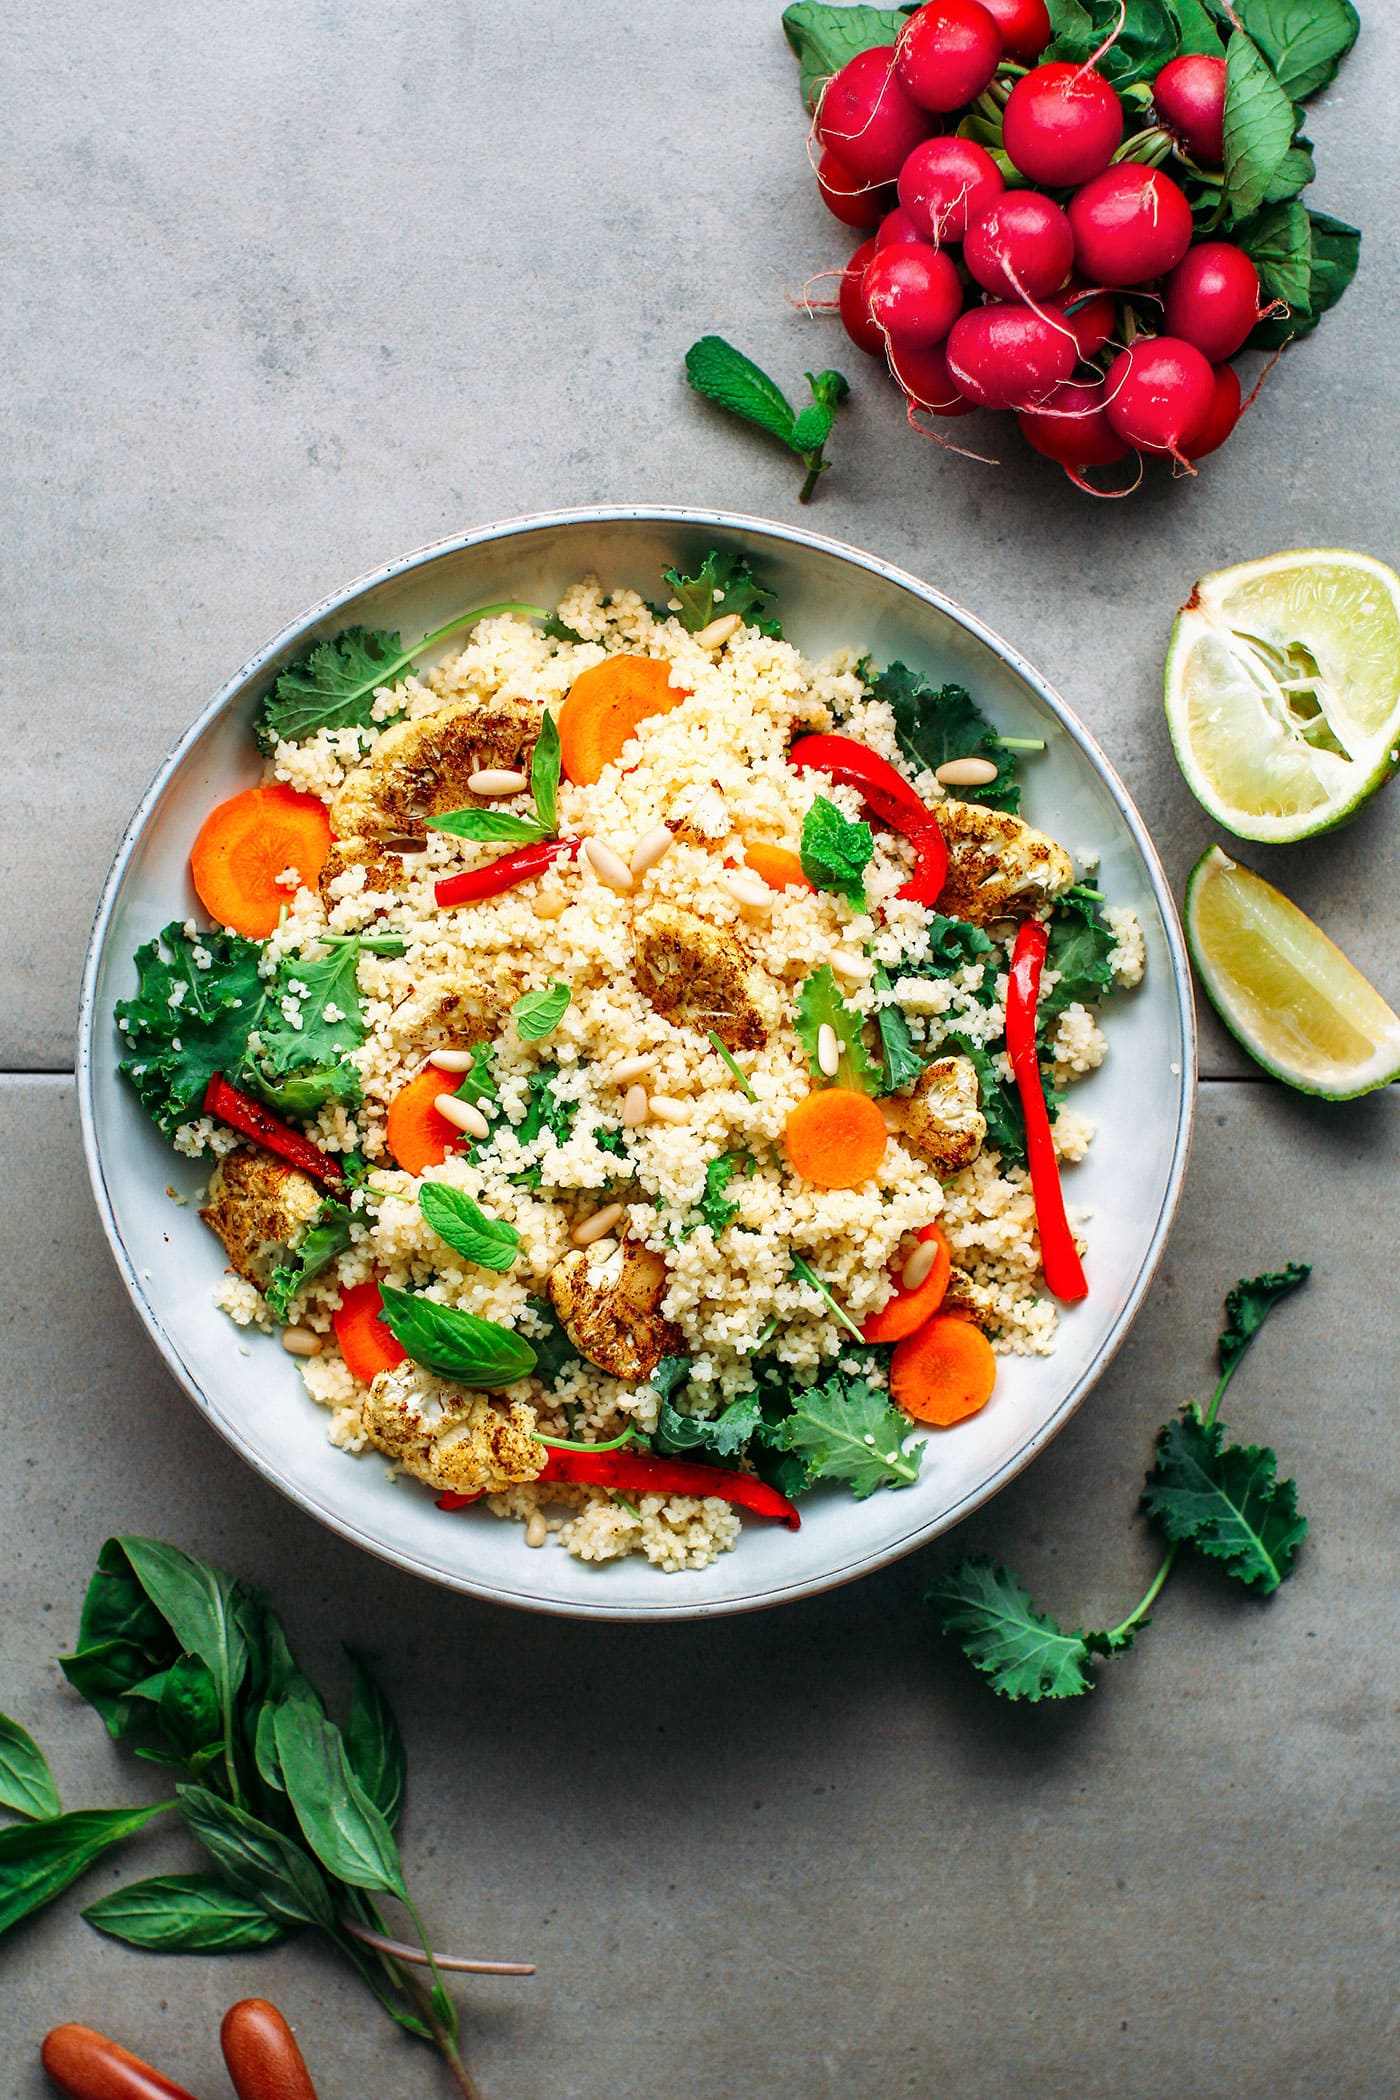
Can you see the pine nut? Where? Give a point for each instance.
(651, 847)
(828, 1050)
(919, 1266)
(668, 1111)
(300, 1341)
(857, 969)
(454, 1110)
(551, 904)
(609, 867)
(451, 1060)
(719, 631)
(596, 1227)
(636, 1107)
(629, 1068)
(536, 1530)
(748, 891)
(966, 773)
(497, 780)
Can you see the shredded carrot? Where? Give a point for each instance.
(835, 1138)
(907, 1310)
(416, 1134)
(365, 1342)
(604, 707)
(779, 868)
(246, 843)
(944, 1372)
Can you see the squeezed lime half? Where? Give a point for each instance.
(1283, 989)
(1283, 691)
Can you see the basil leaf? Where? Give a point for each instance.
(555, 1352)
(836, 852)
(827, 38)
(492, 825)
(338, 1820)
(1304, 41)
(197, 1603)
(491, 1243)
(38, 1861)
(190, 1713)
(455, 1344)
(374, 1746)
(185, 1914)
(538, 1014)
(26, 1783)
(544, 774)
(258, 1860)
(1259, 122)
(724, 375)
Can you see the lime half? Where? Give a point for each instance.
(1283, 691)
(1286, 991)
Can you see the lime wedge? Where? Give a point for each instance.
(1283, 691)
(1287, 992)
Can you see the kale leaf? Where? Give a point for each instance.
(1021, 1652)
(848, 1429)
(716, 1209)
(937, 723)
(900, 1061)
(328, 1237)
(554, 1352)
(299, 1057)
(1079, 949)
(331, 687)
(721, 1436)
(1226, 1500)
(1248, 1306)
(186, 1022)
(724, 583)
(1006, 1128)
(836, 851)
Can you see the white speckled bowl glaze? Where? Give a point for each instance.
(1141, 1099)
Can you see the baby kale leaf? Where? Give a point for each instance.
(819, 1004)
(900, 1061)
(1006, 1128)
(187, 1023)
(724, 583)
(836, 851)
(719, 1436)
(1021, 1652)
(1226, 1500)
(937, 723)
(313, 1019)
(332, 686)
(1249, 1304)
(1079, 949)
(847, 1429)
(716, 1209)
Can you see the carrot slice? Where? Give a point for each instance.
(365, 1342)
(417, 1135)
(604, 707)
(943, 1373)
(835, 1138)
(246, 843)
(779, 868)
(907, 1310)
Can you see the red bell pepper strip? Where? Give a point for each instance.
(231, 1105)
(638, 1472)
(889, 797)
(503, 874)
(450, 1499)
(1059, 1257)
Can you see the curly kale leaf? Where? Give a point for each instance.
(937, 723)
(328, 1237)
(847, 1429)
(1006, 1128)
(721, 1436)
(1249, 1304)
(724, 583)
(715, 1207)
(331, 687)
(197, 1000)
(1226, 1500)
(300, 1055)
(1079, 949)
(1021, 1652)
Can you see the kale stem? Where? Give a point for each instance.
(1153, 1591)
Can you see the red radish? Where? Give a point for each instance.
(914, 294)
(1212, 299)
(1022, 248)
(1225, 411)
(866, 118)
(1008, 356)
(1062, 124)
(923, 374)
(853, 306)
(1130, 224)
(1189, 96)
(1159, 393)
(1025, 27)
(948, 52)
(897, 230)
(1071, 426)
(947, 183)
(1092, 315)
(853, 202)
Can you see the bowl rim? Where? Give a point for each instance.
(302, 629)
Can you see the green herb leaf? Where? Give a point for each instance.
(1259, 123)
(556, 631)
(190, 1710)
(374, 1745)
(492, 1243)
(185, 1914)
(479, 1085)
(38, 1861)
(724, 583)
(836, 851)
(26, 1783)
(1249, 1304)
(538, 1014)
(727, 1056)
(1226, 1500)
(498, 826)
(819, 1004)
(328, 1237)
(846, 1429)
(456, 1345)
(544, 1110)
(545, 768)
(1304, 41)
(1080, 945)
(724, 375)
(900, 1061)
(1021, 1652)
(714, 1206)
(199, 1604)
(826, 38)
(259, 1861)
(952, 945)
(719, 1436)
(332, 686)
(937, 723)
(187, 1023)
(1006, 1129)
(338, 1820)
(312, 1020)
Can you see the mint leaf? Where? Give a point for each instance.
(836, 852)
(186, 1023)
(724, 375)
(1226, 1500)
(328, 1237)
(937, 723)
(826, 38)
(454, 1344)
(1021, 1652)
(1259, 125)
(332, 686)
(819, 1004)
(1304, 41)
(479, 1085)
(1249, 1304)
(724, 583)
(900, 1061)
(846, 1429)
(492, 1243)
(538, 1014)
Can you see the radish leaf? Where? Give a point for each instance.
(1304, 41)
(827, 38)
(1259, 123)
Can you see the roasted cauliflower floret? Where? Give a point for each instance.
(999, 867)
(449, 1437)
(260, 1209)
(471, 1003)
(940, 1120)
(384, 872)
(611, 1309)
(972, 1300)
(695, 973)
(419, 769)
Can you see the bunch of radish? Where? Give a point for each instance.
(1049, 236)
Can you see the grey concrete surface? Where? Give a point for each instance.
(287, 289)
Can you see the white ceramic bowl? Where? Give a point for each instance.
(1141, 1099)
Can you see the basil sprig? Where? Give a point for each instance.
(500, 826)
(454, 1344)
